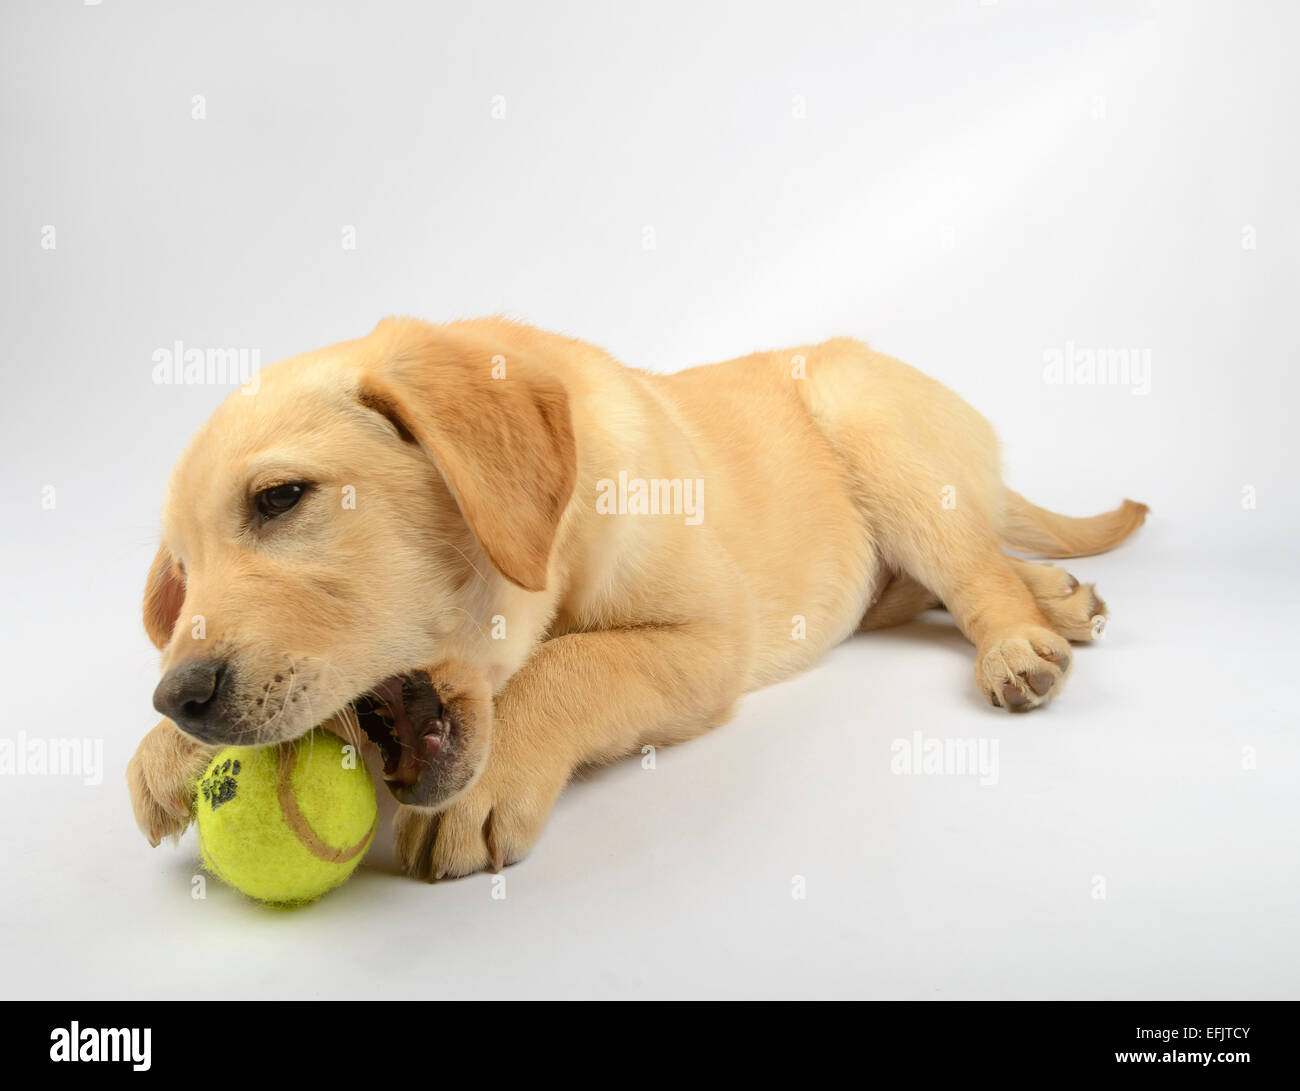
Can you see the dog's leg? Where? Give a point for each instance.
(1071, 608)
(161, 776)
(1020, 661)
(583, 698)
(927, 473)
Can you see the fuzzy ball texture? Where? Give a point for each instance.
(286, 823)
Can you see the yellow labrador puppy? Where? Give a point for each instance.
(502, 555)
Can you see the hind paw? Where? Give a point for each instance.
(1071, 608)
(1023, 670)
(1079, 615)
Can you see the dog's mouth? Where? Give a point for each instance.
(414, 729)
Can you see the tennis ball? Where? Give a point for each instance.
(286, 823)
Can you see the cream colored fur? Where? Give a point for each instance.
(842, 490)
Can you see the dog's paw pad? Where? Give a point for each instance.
(1023, 671)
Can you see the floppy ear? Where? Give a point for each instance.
(504, 446)
(164, 591)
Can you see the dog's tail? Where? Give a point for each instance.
(1032, 529)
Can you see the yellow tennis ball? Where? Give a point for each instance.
(286, 823)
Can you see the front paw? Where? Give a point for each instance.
(492, 825)
(160, 778)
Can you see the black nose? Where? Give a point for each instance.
(190, 696)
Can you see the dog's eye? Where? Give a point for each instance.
(278, 499)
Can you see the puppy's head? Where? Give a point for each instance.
(338, 543)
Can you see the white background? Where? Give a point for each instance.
(971, 186)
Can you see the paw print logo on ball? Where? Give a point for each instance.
(220, 785)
